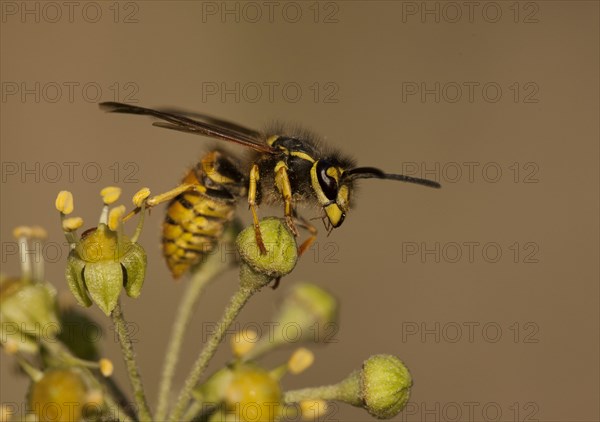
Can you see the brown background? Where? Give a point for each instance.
(542, 364)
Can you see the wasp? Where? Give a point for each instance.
(285, 167)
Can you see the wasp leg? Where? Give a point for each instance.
(254, 177)
(312, 230)
(276, 283)
(283, 185)
(163, 197)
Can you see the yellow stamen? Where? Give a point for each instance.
(106, 367)
(313, 409)
(140, 196)
(243, 341)
(22, 232)
(64, 202)
(38, 232)
(72, 224)
(115, 216)
(110, 194)
(301, 360)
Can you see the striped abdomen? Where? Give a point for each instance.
(195, 219)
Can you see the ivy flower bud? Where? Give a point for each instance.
(382, 387)
(385, 386)
(27, 313)
(311, 310)
(60, 394)
(101, 263)
(281, 256)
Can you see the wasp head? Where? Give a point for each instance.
(332, 189)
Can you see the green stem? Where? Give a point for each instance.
(326, 392)
(347, 391)
(132, 369)
(236, 303)
(211, 268)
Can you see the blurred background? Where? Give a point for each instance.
(487, 289)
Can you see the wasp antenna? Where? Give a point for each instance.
(375, 173)
(415, 180)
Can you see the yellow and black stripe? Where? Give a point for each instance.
(195, 219)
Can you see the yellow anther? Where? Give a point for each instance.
(106, 367)
(22, 231)
(243, 341)
(64, 202)
(140, 196)
(38, 232)
(115, 217)
(313, 410)
(72, 224)
(301, 360)
(110, 194)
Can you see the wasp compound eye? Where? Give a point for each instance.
(328, 184)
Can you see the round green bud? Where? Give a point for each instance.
(281, 249)
(385, 386)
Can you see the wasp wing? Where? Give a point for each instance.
(214, 128)
(216, 121)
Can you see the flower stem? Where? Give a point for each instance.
(347, 390)
(236, 303)
(211, 268)
(129, 357)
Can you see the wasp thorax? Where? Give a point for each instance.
(332, 194)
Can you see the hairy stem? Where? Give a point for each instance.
(236, 303)
(132, 369)
(213, 266)
(347, 390)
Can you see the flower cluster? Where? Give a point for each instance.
(70, 382)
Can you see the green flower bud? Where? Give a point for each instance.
(60, 394)
(382, 387)
(385, 386)
(101, 263)
(27, 313)
(308, 308)
(281, 256)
